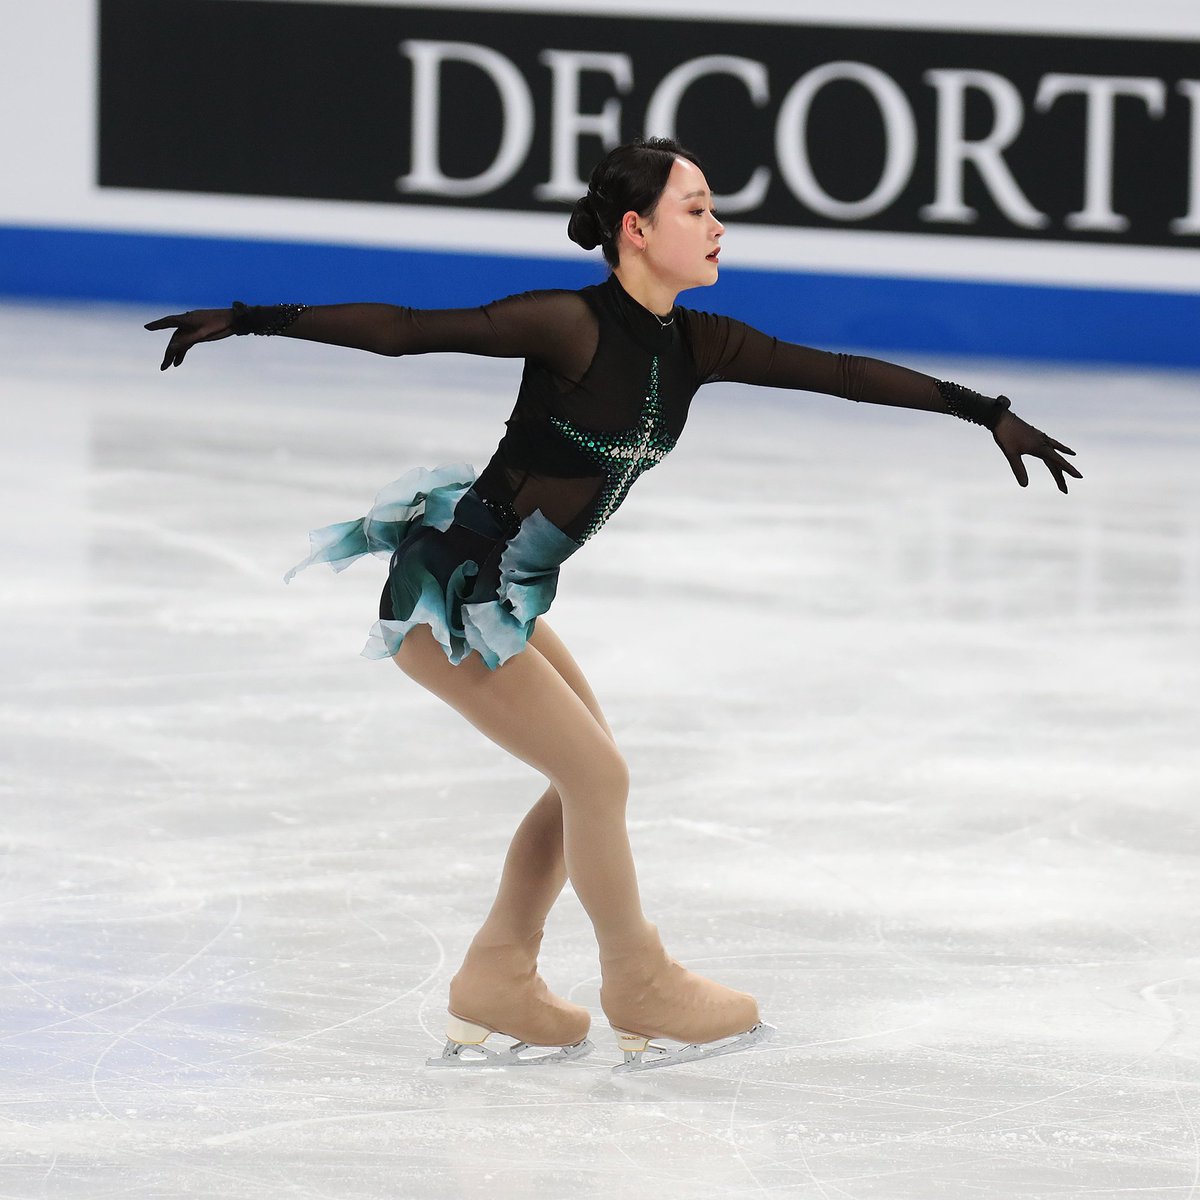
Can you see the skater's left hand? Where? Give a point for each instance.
(1015, 438)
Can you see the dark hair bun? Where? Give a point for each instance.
(629, 178)
(584, 226)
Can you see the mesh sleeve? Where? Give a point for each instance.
(724, 348)
(548, 326)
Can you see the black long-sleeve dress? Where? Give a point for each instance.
(604, 396)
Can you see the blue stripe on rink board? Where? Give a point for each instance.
(834, 311)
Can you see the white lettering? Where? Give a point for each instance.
(663, 110)
(953, 149)
(1101, 92)
(516, 119)
(900, 140)
(1191, 223)
(567, 123)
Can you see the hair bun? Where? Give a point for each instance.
(584, 226)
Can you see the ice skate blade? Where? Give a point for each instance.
(465, 1049)
(635, 1046)
(456, 1055)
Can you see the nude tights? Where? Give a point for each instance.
(529, 707)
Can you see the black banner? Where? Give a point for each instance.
(995, 135)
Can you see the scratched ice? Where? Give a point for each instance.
(914, 756)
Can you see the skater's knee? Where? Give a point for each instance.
(617, 776)
(602, 776)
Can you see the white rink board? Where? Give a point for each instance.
(47, 74)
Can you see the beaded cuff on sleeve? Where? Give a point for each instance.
(971, 406)
(264, 319)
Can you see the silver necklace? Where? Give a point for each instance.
(663, 324)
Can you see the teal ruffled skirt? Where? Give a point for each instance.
(455, 565)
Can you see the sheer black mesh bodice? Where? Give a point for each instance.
(606, 386)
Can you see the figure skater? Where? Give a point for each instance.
(609, 373)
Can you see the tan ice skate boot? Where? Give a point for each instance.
(646, 994)
(498, 990)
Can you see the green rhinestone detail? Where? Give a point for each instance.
(623, 454)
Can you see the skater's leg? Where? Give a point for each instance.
(534, 873)
(554, 650)
(527, 708)
(497, 985)
(535, 868)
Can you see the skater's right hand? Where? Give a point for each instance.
(199, 325)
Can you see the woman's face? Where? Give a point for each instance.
(682, 238)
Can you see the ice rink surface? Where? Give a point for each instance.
(915, 757)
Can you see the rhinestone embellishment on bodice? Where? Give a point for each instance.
(622, 454)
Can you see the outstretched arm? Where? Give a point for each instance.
(532, 325)
(730, 350)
